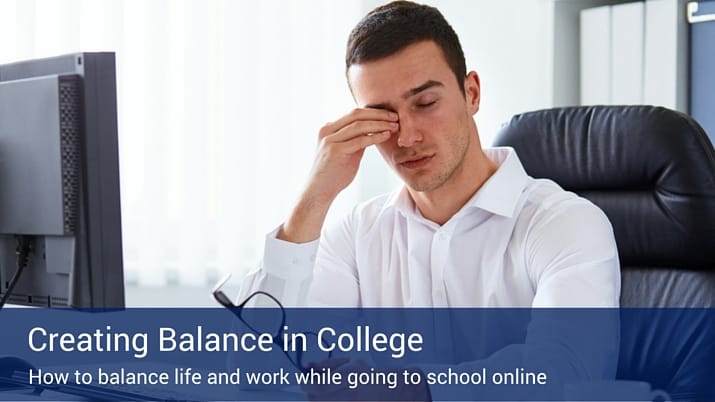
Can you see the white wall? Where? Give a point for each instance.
(507, 43)
(220, 103)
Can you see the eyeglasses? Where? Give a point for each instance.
(269, 317)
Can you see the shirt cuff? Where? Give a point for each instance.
(286, 260)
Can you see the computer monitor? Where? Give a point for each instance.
(59, 182)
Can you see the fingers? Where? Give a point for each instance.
(364, 114)
(362, 142)
(341, 148)
(359, 122)
(332, 364)
(342, 365)
(362, 127)
(353, 147)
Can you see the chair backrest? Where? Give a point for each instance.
(652, 171)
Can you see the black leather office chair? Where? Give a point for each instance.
(652, 171)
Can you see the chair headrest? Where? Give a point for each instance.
(651, 169)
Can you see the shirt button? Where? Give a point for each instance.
(295, 261)
(439, 294)
(312, 258)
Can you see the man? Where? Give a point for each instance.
(469, 227)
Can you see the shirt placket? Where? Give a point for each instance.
(439, 258)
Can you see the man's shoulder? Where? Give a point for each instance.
(373, 208)
(364, 217)
(545, 200)
(545, 193)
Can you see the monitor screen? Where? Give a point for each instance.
(60, 220)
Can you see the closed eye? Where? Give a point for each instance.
(426, 105)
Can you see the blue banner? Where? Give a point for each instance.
(358, 354)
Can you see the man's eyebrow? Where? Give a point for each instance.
(412, 92)
(427, 85)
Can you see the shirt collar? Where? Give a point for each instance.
(498, 195)
(501, 192)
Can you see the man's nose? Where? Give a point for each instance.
(408, 134)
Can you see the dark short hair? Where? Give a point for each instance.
(392, 27)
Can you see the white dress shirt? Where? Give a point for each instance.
(518, 242)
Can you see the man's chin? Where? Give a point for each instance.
(421, 186)
(420, 181)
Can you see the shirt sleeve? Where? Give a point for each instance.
(319, 273)
(572, 257)
(336, 281)
(285, 271)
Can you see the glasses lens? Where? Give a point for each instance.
(310, 354)
(263, 314)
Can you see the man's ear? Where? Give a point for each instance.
(472, 91)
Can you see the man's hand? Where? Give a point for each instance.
(349, 390)
(341, 145)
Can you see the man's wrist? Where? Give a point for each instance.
(306, 220)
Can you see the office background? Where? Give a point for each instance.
(220, 102)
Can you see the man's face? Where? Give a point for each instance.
(436, 126)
